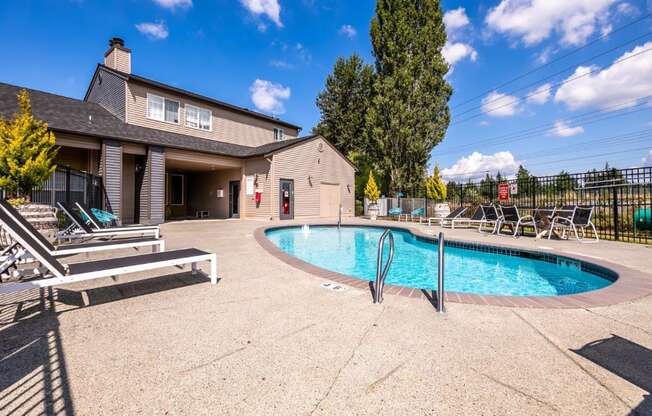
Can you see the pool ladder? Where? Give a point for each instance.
(381, 272)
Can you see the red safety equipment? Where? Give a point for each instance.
(259, 196)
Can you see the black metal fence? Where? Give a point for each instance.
(622, 198)
(69, 185)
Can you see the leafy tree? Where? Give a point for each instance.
(27, 151)
(409, 111)
(364, 167)
(343, 104)
(524, 181)
(435, 186)
(488, 187)
(564, 182)
(371, 190)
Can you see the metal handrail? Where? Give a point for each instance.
(381, 272)
(440, 275)
(339, 217)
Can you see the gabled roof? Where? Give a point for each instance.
(179, 91)
(69, 115)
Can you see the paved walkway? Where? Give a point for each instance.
(269, 340)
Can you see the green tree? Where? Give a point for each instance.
(371, 191)
(343, 104)
(564, 182)
(409, 111)
(27, 151)
(524, 181)
(435, 187)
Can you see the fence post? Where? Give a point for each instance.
(614, 194)
(461, 195)
(533, 190)
(68, 185)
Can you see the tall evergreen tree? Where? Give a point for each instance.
(343, 104)
(409, 111)
(524, 181)
(27, 151)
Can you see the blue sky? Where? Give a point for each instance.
(273, 56)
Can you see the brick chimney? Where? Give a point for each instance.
(118, 57)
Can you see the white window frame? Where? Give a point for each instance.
(199, 109)
(169, 189)
(164, 100)
(279, 134)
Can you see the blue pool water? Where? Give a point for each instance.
(352, 251)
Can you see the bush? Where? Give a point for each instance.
(359, 208)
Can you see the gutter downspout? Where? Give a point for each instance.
(270, 159)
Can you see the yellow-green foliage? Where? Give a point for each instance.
(371, 190)
(435, 186)
(27, 151)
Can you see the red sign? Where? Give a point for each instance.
(503, 192)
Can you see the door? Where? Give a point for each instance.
(286, 199)
(234, 199)
(329, 200)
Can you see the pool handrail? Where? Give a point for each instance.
(381, 272)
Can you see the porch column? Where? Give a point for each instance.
(111, 171)
(152, 193)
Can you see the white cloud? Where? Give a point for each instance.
(455, 52)
(476, 165)
(620, 82)
(647, 160)
(173, 4)
(544, 56)
(532, 21)
(500, 105)
(268, 96)
(455, 19)
(627, 9)
(348, 31)
(156, 31)
(562, 129)
(277, 63)
(540, 95)
(269, 8)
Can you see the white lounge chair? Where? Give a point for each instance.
(58, 273)
(69, 249)
(79, 228)
(455, 214)
(98, 225)
(490, 217)
(579, 220)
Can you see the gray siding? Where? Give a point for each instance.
(152, 194)
(111, 170)
(108, 90)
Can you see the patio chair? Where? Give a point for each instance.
(456, 213)
(394, 212)
(509, 216)
(580, 219)
(57, 273)
(70, 249)
(472, 221)
(415, 213)
(79, 229)
(98, 224)
(539, 220)
(489, 217)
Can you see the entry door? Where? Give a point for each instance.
(234, 199)
(329, 200)
(286, 199)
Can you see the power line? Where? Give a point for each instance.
(511, 92)
(536, 69)
(470, 175)
(590, 117)
(569, 80)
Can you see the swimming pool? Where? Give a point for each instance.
(470, 268)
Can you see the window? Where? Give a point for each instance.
(278, 134)
(162, 109)
(175, 189)
(198, 118)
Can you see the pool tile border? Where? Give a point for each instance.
(629, 284)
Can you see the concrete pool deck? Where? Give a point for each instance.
(268, 339)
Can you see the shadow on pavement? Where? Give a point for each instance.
(626, 359)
